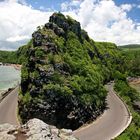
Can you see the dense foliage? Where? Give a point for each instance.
(8, 57)
(132, 64)
(14, 57)
(64, 73)
(129, 95)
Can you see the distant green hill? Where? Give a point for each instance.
(15, 57)
(130, 46)
(8, 57)
(132, 58)
(131, 53)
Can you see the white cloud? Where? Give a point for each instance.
(15, 1)
(70, 5)
(102, 19)
(138, 6)
(105, 21)
(126, 7)
(64, 6)
(18, 38)
(42, 8)
(18, 22)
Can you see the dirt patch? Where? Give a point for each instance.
(136, 82)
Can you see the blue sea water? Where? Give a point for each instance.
(9, 77)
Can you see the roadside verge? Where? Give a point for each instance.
(129, 115)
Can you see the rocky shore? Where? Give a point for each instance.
(34, 129)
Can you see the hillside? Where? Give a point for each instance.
(8, 57)
(64, 73)
(130, 47)
(14, 57)
(131, 54)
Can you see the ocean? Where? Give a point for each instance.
(9, 77)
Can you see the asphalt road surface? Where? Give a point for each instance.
(8, 108)
(113, 121)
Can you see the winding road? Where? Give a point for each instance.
(109, 125)
(8, 108)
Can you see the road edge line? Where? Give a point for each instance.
(129, 119)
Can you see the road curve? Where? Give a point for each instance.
(113, 121)
(8, 108)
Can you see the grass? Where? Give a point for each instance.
(130, 49)
(18, 117)
(129, 95)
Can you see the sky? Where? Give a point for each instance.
(115, 21)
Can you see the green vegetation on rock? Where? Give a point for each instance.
(64, 73)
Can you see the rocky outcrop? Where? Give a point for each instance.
(66, 24)
(34, 129)
(62, 79)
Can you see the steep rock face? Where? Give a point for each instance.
(63, 77)
(66, 24)
(34, 129)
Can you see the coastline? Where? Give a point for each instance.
(16, 66)
(6, 91)
(9, 83)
